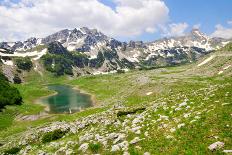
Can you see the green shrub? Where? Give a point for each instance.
(17, 79)
(19, 71)
(94, 147)
(58, 64)
(53, 135)
(97, 62)
(127, 63)
(9, 95)
(133, 111)
(133, 151)
(24, 63)
(80, 60)
(13, 150)
(120, 71)
(57, 48)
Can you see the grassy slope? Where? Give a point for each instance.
(31, 91)
(205, 97)
(130, 89)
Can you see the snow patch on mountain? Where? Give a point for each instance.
(40, 54)
(26, 54)
(8, 62)
(3, 50)
(116, 54)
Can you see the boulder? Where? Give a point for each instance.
(84, 147)
(227, 151)
(216, 146)
(135, 140)
(115, 148)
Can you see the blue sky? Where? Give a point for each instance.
(206, 13)
(174, 18)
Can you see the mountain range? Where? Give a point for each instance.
(100, 53)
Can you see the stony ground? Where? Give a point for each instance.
(175, 112)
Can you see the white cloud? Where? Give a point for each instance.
(230, 22)
(42, 17)
(197, 26)
(222, 32)
(151, 30)
(175, 29)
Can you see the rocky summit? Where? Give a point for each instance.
(105, 54)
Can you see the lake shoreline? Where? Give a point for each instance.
(75, 88)
(92, 97)
(46, 106)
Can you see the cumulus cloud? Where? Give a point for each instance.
(175, 29)
(42, 17)
(222, 32)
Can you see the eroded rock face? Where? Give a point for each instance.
(61, 36)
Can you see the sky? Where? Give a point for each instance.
(125, 20)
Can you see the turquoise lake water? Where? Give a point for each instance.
(67, 100)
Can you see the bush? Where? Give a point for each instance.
(133, 111)
(53, 135)
(17, 79)
(13, 150)
(97, 62)
(9, 95)
(80, 60)
(120, 71)
(127, 63)
(24, 63)
(133, 151)
(3, 78)
(58, 64)
(56, 48)
(94, 147)
(19, 71)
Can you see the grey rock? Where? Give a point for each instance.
(135, 140)
(84, 147)
(216, 146)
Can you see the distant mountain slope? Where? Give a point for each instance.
(218, 63)
(105, 54)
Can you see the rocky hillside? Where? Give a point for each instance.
(180, 110)
(98, 53)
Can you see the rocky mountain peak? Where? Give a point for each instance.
(198, 35)
(88, 31)
(60, 36)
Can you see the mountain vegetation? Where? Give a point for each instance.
(170, 96)
(24, 63)
(9, 95)
(88, 51)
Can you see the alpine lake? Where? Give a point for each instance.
(66, 100)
